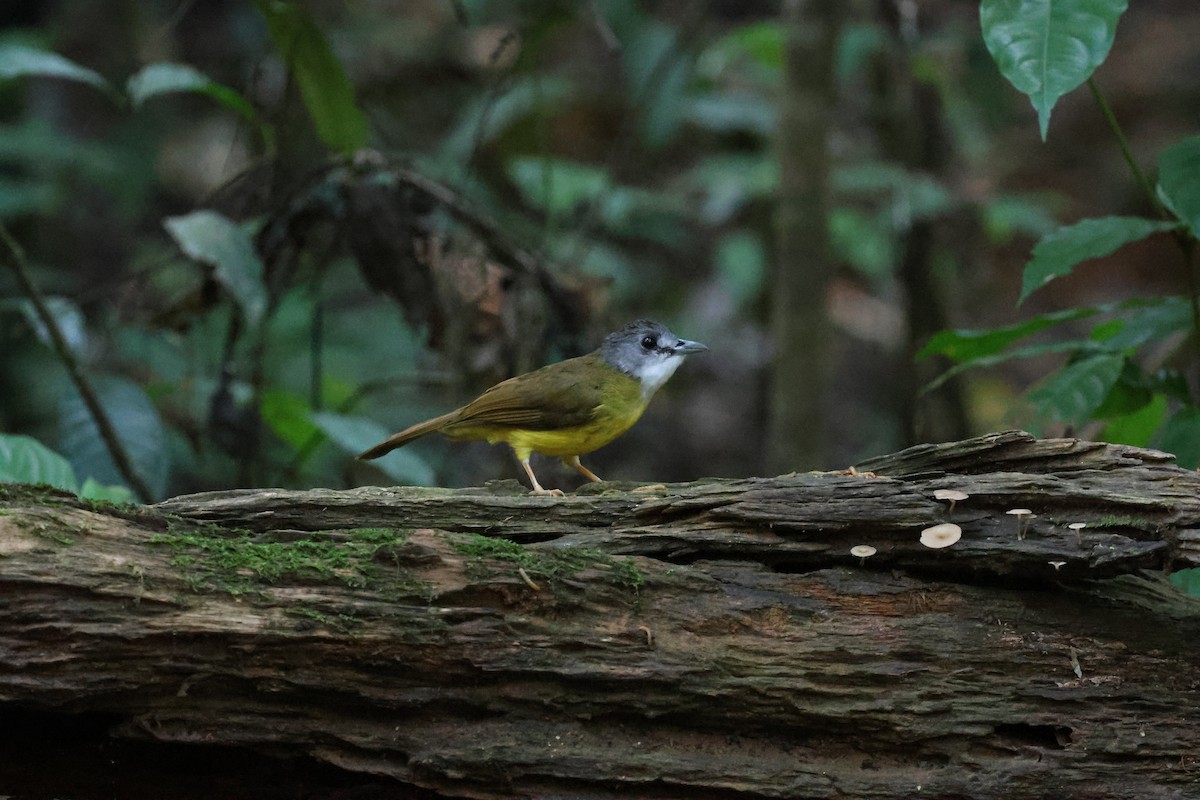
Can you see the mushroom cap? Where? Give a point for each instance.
(1056, 564)
(1020, 512)
(1077, 526)
(862, 551)
(939, 536)
(950, 494)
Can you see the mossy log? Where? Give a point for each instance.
(711, 639)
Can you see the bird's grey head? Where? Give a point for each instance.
(648, 351)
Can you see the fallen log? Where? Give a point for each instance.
(710, 639)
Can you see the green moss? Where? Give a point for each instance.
(44, 496)
(111, 509)
(38, 494)
(240, 561)
(54, 534)
(627, 573)
(49, 527)
(1117, 521)
(548, 563)
(477, 546)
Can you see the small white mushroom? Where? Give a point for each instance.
(1023, 516)
(862, 552)
(1077, 527)
(939, 536)
(953, 495)
(1056, 564)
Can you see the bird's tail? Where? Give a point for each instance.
(407, 435)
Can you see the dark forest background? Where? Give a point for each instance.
(270, 233)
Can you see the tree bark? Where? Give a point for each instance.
(713, 639)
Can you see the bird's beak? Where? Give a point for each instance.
(684, 347)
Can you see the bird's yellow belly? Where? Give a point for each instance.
(574, 441)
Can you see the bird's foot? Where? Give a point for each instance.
(573, 463)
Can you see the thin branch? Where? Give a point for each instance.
(59, 344)
(509, 39)
(1138, 175)
(482, 225)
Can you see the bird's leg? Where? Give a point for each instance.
(573, 462)
(537, 487)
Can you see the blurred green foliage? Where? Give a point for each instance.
(24, 459)
(257, 295)
(1046, 51)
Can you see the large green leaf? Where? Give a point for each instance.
(355, 434)
(92, 489)
(324, 85)
(20, 61)
(963, 345)
(1074, 392)
(994, 359)
(1145, 321)
(1058, 253)
(1045, 48)
(137, 426)
(155, 80)
(24, 459)
(213, 239)
(1133, 390)
(1181, 436)
(756, 48)
(289, 417)
(162, 78)
(1141, 322)
(1139, 426)
(1179, 180)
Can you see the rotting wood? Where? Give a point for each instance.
(714, 639)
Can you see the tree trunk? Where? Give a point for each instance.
(797, 413)
(714, 639)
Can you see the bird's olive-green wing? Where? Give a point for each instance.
(562, 395)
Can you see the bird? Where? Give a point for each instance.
(566, 409)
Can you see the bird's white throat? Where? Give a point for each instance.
(653, 372)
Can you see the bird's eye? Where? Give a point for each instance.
(648, 343)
